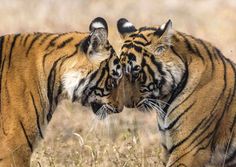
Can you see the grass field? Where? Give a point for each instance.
(74, 136)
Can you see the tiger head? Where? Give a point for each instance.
(101, 88)
(151, 70)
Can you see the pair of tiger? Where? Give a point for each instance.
(186, 80)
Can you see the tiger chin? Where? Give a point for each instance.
(192, 87)
(38, 69)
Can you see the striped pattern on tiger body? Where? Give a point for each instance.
(192, 87)
(38, 70)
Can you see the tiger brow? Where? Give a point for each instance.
(139, 36)
(141, 43)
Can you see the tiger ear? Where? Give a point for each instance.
(164, 32)
(125, 27)
(98, 35)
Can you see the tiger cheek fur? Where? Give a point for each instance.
(39, 69)
(196, 102)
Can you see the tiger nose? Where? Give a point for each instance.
(131, 71)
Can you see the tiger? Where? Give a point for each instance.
(38, 70)
(190, 84)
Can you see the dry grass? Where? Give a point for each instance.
(74, 137)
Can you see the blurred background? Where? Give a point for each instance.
(75, 137)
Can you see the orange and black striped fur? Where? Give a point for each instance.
(37, 68)
(192, 87)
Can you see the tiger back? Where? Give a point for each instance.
(37, 69)
(192, 87)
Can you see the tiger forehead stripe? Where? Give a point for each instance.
(139, 36)
(137, 48)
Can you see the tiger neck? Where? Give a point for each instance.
(207, 88)
(55, 86)
(203, 65)
(200, 61)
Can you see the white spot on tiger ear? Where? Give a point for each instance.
(97, 25)
(70, 82)
(162, 26)
(127, 24)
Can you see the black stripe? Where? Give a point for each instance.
(131, 57)
(51, 81)
(138, 49)
(173, 79)
(127, 41)
(158, 65)
(217, 124)
(213, 132)
(2, 62)
(75, 97)
(21, 39)
(60, 89)
(140, 36)
(26, 38)
(42, 101)
(225, 86)
(89, 90)
(52, 42)
(186, 153)
(65, 42)
(177, 54)
(172, 124)
(37, 116)
(200, 143)
(45, 38)
(27, 138)
(208, 53)
(198, 53)
(32, 43)
(195, 129)
(139, 43)
(74, 53)
(204, 130)
(193, 49)
(179, 88)
(50, 87)
(146, 29)
(234, 92)
(150, 71)
(101, 76)
(45, 56)
(11, 50)
(187, 43)
(128, 46)
(1, 48)
(84, 44)
(175, 38)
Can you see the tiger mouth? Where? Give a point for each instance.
(102, 110)
(147, 104)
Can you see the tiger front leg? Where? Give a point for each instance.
(191, 158)
(19, 157)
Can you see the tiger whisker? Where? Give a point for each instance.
(158, 108)
(157, 100)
